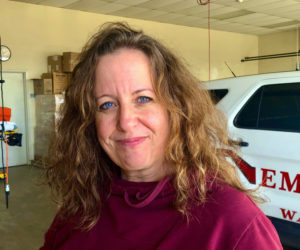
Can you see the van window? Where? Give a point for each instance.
(272, 107)
(217, 94)
(248, 116)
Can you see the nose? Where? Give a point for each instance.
(127, 117)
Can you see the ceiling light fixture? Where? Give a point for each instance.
(240, 1)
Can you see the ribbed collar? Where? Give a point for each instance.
(141, 194)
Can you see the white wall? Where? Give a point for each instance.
(276, 43)
(33, 32)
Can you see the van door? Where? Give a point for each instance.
(269, 125)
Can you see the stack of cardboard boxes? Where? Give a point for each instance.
(47, 115)
(58, 76)
(48, 99)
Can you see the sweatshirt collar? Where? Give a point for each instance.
(141, 194)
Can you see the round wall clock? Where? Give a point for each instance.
(5, 53)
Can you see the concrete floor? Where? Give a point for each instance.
(30, 212)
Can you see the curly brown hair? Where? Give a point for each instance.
(80, 172)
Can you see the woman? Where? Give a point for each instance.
(138, 163)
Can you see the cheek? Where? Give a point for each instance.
(164, 125)
(102, 127)
(159, 121)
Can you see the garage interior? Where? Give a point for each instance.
(214, 38)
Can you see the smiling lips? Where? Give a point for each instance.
(130, 142)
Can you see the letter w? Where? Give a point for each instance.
(287, 214)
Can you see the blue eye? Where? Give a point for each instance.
(106, 106)
(144, 99)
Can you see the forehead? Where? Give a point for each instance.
(123, 68)
(124, 57)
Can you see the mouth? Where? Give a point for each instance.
(130, 142)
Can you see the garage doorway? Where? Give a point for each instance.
(14, 90)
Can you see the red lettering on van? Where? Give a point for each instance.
(288, 214)
(267, 175)
(248, 171)
(286, 179)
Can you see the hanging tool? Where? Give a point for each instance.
(201, 2)
(3, 138)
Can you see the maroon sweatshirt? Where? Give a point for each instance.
(141, 216)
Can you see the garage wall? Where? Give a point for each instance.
(33, 32)
(277, 43)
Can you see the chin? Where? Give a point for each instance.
(133, 167)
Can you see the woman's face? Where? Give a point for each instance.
(132, 126)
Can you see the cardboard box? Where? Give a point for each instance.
(55, 63)
(42, 86)
(48, 103)
(47, 119)
(43, 135)
(60, 81)
(47, 110)
(70, 60)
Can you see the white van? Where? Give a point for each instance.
(264, 112)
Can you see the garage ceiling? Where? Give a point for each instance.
(251, 16)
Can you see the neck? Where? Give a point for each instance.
(145, 175)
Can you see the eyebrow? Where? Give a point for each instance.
(141, 90)
(134, 93)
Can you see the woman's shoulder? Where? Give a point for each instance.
(60, 230)
(225, 200)
(233, 219)
(225, 204)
